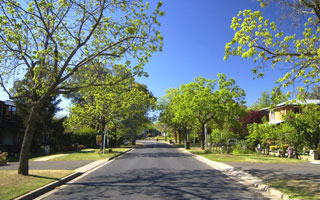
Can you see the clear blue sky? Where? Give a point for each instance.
(195, 33)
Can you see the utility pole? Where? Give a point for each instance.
(206, 135)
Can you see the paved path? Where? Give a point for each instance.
(46, 158)
(47, 165)
(272, 171)
(156, 171)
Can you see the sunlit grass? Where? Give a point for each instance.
(298, 189)
(252, 158)
(13, 185)
(91, 155)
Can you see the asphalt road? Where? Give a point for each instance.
(156, 171)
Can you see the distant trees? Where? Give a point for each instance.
(123, 107)
(262, 102)
(202, 102)
(314, 94)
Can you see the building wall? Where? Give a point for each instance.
(280, 112)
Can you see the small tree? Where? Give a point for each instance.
(263, 134)
(307, 125)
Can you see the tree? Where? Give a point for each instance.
(170, 114)
(258, 38)
(263, 134)
(205, 103)
(263, 102)
(306, 124)
(315, 93)
(123, 107)
(46, 44)
(250, 117)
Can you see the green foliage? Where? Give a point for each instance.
(122, 107)
(85, 131)
(314, 94)
(262, 134)
(266, 100)
(48, 48)
(259, 39)
(306, 126)
(216, 103)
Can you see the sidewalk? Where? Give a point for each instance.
(46, 158)
(256, 174)
(79, 166)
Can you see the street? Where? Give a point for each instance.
(155, 171)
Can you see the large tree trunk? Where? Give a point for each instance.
(27, 140)
(180, 136)
(202, 139)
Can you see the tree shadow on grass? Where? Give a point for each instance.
(43, 177)
(133, 155)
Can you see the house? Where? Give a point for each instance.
(11, 129)
(276, 114)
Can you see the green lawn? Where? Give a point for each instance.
(298, 189)
(253, 158)
(177, 145)
(13, 185)
(91, 155)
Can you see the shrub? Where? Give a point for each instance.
(240, 148)
(226, 150)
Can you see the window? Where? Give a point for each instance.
(296, 110)
(272, 115)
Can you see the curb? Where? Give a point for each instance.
(79, 171)
(240, 176)
(120, 154)
(47, 188)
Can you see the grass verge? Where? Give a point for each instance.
(251, 158)
(298, 189)
(91, 155)
(13, 184)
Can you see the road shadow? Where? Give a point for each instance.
(155, 183)
(147, 145)
(133, 155)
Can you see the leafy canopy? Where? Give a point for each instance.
(45, 44)
(260, 39)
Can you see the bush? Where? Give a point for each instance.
(240, 148)
(3, 158)
(226, 150)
